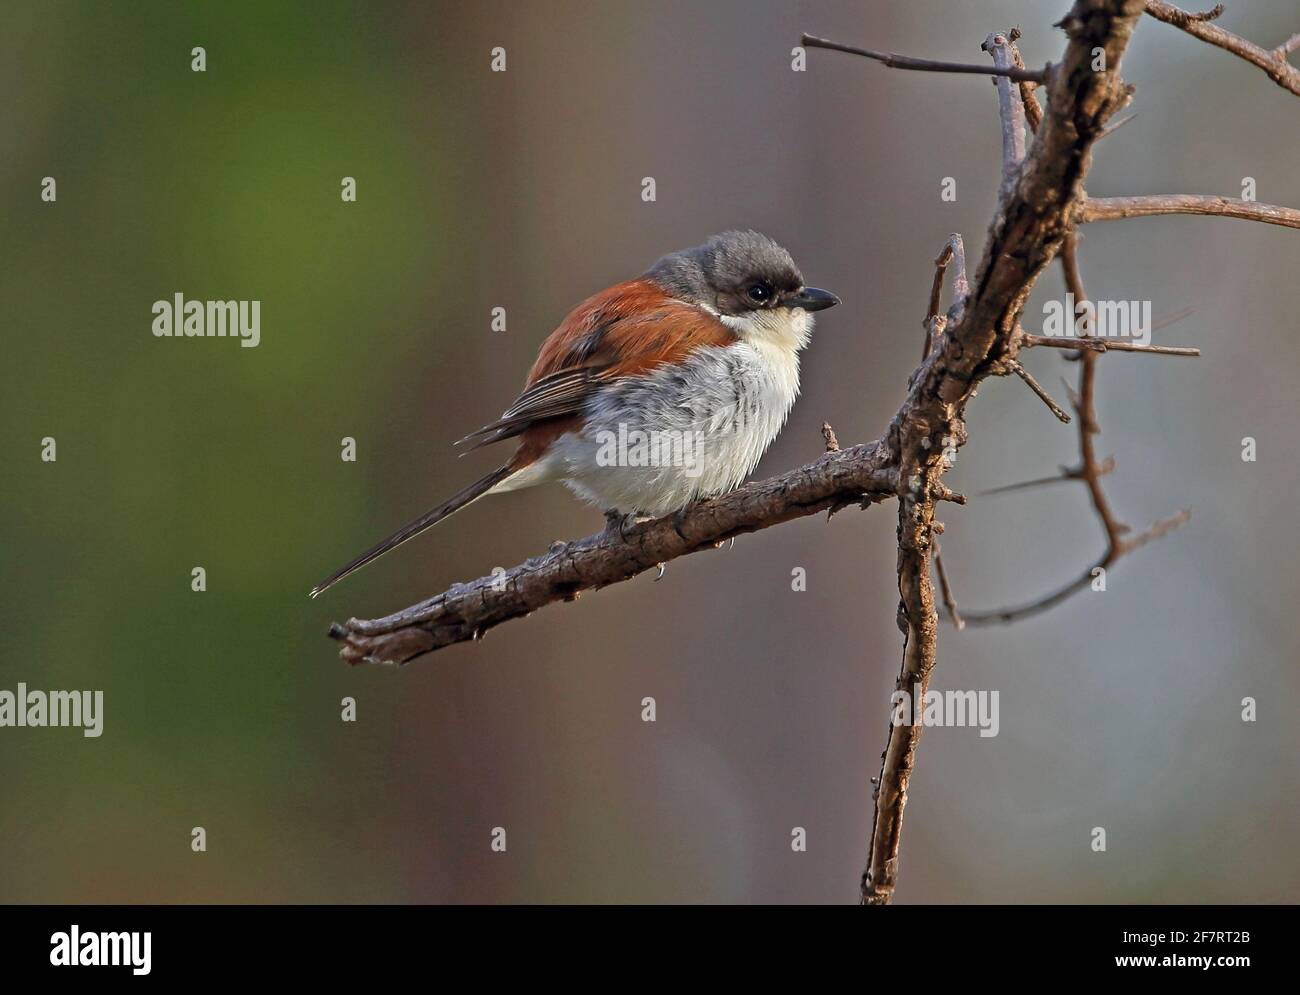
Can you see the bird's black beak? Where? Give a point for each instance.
(812, 299)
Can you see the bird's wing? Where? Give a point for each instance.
(629, 329)
(562, 393)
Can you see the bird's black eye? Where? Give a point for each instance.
(760, 292)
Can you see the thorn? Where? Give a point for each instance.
(1111, 129)
(944, 493)
(1037, 388)
(828, 433)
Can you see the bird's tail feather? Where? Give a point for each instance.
(430, 518)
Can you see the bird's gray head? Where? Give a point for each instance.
(737, 273)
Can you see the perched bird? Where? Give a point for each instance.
(656, 392)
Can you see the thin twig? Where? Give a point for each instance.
(894, 61)
(1114, 208)
(1037, 388)
(1011, 112)
(960, 289)
(1090, 471)
(1093, 344)
(953, 252)
(1033, 112)
(1019, 613)
(936, 293)
(1067, 474)
(945, 588)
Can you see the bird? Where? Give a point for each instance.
(656, 392)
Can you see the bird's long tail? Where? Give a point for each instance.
(430, 518)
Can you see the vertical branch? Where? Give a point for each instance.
(1033, 113)
(1039, 196)
(921, 465)
(1089, 467)
(954, 251)
(1011, 111)
(919, 621)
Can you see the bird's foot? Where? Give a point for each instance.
(616, 521)
(679, 519)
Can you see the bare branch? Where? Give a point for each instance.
(1273, 63)
(467, 611)
(1090, 470)
(935, 323)
(1114, 208)
(949, 602)
(1037, 388)
(1020, 612)
(925, 65)
(1182, 18)
(1067, 474)
(1089, 343)
(960, 289)
(1011, 112)
(1033, 113)
(1024, 237)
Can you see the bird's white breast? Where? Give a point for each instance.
(707, 421)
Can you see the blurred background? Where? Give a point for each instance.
(522, 190)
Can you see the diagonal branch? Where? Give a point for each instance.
(467, 611)
(1272, 62)
(1090, 470)
(1037, 388)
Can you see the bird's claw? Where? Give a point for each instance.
(616, 521)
